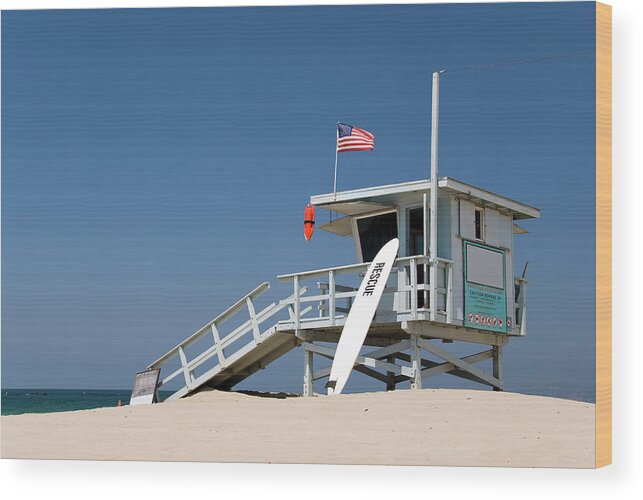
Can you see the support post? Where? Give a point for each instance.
(390, 376)
(308, 373)
(425, 245)
(296, 303)
(416, 363)
(414, 290)
(449, 305)
(331, 297)
(433, 241)
(497, 364)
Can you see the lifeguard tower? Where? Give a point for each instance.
(453, 282)
(467, 293)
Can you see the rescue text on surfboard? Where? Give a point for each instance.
(374, 278)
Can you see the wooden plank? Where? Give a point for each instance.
(332, 290)
(416, 363)
(308, 373)
(497, 363)
(329, 353)
(434, 330)
(463, 365)
(184, 365)
(447, 367)
(388, 350)
(296, 303)
(253, 320)
(603, 234)
(414, 287)
(217, 344)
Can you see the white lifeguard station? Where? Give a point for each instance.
(467, 293)
(454, 281)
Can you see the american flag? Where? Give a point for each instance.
(351, 138)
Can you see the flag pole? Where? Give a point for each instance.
(335, 178)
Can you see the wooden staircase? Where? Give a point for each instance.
(215, 357)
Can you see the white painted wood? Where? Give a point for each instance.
(188, 367)
(448, 184)
(366, 360)
(308, 373)
(196, 336)
(361, 315)
(497, 364)
(184, 364)
(463, 365)
(416, 363)
(449, 292)
(297, 304)
(217, 344)
(446, 367)
(253, 320)
(435, 330)
(414, 288)
(332, 297)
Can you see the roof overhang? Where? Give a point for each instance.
(355, 207)
(341, 227)
(364, 200)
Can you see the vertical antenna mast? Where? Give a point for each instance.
(433, 240)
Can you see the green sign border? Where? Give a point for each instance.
(468, 306)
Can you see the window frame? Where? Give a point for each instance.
(356, 237)
(481, 211)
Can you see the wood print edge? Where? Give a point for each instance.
(603, 235)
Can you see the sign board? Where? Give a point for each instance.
(144, 390)
(485, 296)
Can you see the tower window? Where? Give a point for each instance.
(478, 223)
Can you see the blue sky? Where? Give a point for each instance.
(156, 162)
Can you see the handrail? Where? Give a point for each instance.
(220, 343)
(352, 267)
(205, 328)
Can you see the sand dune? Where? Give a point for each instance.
(428, 427)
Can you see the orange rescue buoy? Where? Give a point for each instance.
(309, 221)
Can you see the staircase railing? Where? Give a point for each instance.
(221, 345)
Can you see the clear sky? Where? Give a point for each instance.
(156, 162)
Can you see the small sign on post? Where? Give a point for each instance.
(144, 390)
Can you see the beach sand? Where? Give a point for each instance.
(428, 427)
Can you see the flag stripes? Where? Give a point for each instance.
(351, 138)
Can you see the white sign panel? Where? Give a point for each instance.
(485, 267)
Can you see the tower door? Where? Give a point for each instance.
(415, 246)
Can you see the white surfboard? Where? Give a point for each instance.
(360, 316)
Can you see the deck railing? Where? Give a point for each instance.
(406, 296)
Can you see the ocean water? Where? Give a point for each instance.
(18, 401)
